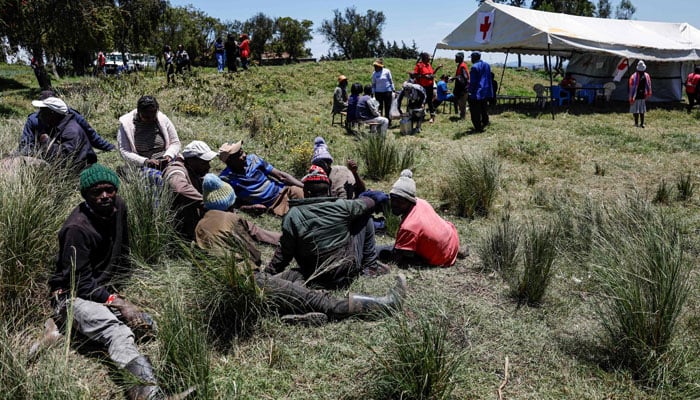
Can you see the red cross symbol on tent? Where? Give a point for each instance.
(484, 27)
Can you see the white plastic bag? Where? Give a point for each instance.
(394, 111)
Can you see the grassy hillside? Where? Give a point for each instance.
(602, 187)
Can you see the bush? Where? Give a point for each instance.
(644, 283)
(499, 249)
(471, 187)
(539, 252)
(151, 218)
(686, 187)
(383, 156)
(663, 193)
(418, 362)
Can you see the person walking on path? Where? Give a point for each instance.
(640, 90)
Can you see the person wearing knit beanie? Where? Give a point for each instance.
(423, 236)
(345, 181)
(316, 183)
(97, 173)
(218, 195)
(321, 151)
(405, 186)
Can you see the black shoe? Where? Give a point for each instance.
(641, 126)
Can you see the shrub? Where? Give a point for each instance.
(383, 156)
(644, 283)
(418, 362)
(34, 201)
(663, 193)
(539, 252)
(471, 187)
(301, 158)
(686, 187)
(499, 249)
(151, 218)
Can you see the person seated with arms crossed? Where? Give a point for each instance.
(220, 226)
(258, 185)
(423, 236)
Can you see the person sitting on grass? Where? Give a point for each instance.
(331, 239)
(346, 183)
(258, 185)
(93, 257)
(423, 237)
(313, 307)
(33, 128)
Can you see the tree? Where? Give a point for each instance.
(290, 36)
(261, 29)
(192, 28)
(574, 7)
(625, 10)
(136, 22)
(354, 35)
(604, 9)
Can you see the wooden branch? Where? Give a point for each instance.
(505, 381)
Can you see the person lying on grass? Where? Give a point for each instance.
(423, 236)
(220, 225)
(331, 239)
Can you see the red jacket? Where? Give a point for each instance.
(421, 71)
(692, 82)
(245, 48)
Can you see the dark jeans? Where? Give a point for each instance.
(692, 100)
(479, 114)
(429, 94)
(384, 100)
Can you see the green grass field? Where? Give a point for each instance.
(561, 348)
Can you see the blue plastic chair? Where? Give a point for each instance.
(559, 95)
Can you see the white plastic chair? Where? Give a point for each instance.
(608, 88)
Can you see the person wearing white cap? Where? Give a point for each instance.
(184, 177)
(423, 236)
(64, 142)
(640, 90)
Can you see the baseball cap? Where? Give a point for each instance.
(198, 149)
(228, 149)
(52, 103)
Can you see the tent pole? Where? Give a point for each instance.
(551, 101)
(503, 72)
(433, 57)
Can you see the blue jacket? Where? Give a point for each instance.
(480, 87)
(68, 144)
(33, 128)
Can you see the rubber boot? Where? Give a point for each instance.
(142, 369)
(362, 304)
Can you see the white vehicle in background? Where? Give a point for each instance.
(115, 64)
(142, 62)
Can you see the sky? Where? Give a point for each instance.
(410, 20)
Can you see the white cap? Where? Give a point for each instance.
(199, 149)
(52, 103)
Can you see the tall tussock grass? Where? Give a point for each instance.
(498, 249)
(151, 217)
(419, 362)
(226, 293)
(644, 284)
(472, 185)
(34, 202)
(384, 156)
(539, 254)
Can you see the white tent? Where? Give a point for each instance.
(595, 46)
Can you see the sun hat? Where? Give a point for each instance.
(405, 186)
(97, 173)
(52, 103)
(342, 78)
(228, 149)
(321, 150)
(379, 62)
(316, 174)
(217, 194)
(200, 150)
(641, 67)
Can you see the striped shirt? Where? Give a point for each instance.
(254, 186)
(148, 140)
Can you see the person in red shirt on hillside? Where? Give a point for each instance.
(423, 236)
(691, 88)
(424, 75)
(461, 79)
(245, 50)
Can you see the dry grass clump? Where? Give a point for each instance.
(471, 188)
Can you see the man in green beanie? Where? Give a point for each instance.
(93, 253)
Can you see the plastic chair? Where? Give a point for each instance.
(608, 88)
(539, 92)
(560, 96)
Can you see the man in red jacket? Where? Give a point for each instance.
(691, 88)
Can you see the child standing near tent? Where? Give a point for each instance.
(640, 90)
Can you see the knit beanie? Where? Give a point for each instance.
(321, 150)
(97, 173)
(217, 194)
(405, 186)
(316, 174)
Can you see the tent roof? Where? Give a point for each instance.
(526, 31)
